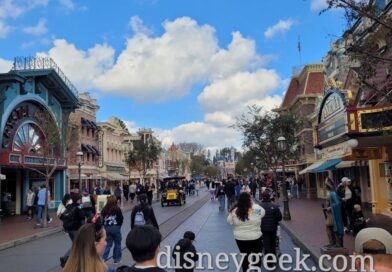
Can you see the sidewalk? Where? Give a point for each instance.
(307, 225)
(16, 230)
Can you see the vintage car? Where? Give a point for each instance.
(172, 191)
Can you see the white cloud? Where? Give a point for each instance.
(138, 27)
(317, 5)
(4, 30)
(67, 4)
(209, 136)
(81, 67)
(237, 90)
(5, 65)
(131, 126)
(159, 68)
(280, 27)
(37, 30)
(15, 8)
(219, 118)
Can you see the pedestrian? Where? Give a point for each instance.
(237, 189)
(197, 187)
(253, 188)
(211, 188)
(132, 191)
(230, 194)
(149, 193)
(143, 243)
(220, 195)
(112, 221)
(30, 204)
(358, 219)
(246, 218)
(374, 245)
(245, 188)
(143, 214)
(6, 198)
(270, 223)
(117, 193)
(88, 204)
(87, 249)
(182, 247)
(71, 214)
(41, 206)
(126, 191)
(335, 230)
(347, 202)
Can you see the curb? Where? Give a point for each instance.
(33, 237)
(30, 238)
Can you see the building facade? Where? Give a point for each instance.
(84, 131)
(36, 99)
(305, 89)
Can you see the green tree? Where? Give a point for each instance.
(211, 171)
(261, 131)
(142, 156)
(198, 164)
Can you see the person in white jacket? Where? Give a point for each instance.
(246, 218)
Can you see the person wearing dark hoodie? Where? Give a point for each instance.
(143, 243)
(143, 214)
(185, 246)
(269, 223)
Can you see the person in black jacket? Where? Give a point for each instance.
(112, 221)
(73, 218)
(143, 214)
(269, 224)
(185, 246)
(230, 193)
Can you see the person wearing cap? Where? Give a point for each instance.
(269, 223)
(335, 230)
(377, 243)
(88, 204)
(185, 246)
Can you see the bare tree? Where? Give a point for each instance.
(192, 148)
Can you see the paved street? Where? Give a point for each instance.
(43, 254)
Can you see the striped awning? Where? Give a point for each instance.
(311, 167)
(326, 166)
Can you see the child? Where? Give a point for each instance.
(182, 247)
(358, 220)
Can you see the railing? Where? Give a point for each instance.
(37, 63)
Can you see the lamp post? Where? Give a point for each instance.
(282, 148)
(79, 160)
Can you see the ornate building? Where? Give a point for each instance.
(305, 88)
(36, 99)
(84, 132)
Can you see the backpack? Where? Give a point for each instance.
(139, 218)
(86, 201)
(69, 217)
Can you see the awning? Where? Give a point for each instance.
(311, 167)
(345, 164)
(114, 176)
(327, 165)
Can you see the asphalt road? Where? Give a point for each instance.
(43, 254)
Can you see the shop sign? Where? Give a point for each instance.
(368, 153)
(333, 130)
(332, 104)
(336, 151)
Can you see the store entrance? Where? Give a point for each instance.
(8, 191)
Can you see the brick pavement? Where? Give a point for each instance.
(308, 228)
(16, 230)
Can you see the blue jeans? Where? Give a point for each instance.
(221, 200)
(230, 201)
(113, 234)
(39, 214)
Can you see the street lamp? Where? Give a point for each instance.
(282, 148)
(79, 160)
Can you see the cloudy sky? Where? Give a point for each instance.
(184, 68)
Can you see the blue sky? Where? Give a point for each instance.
(184, 68)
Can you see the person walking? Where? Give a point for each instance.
(126, 191)
(88, 204)
(253, 188)
(112, 221)
(246, 218)
(132, 191)
(182, 247)
(220, 195)
(197, 187)
(87, 249)
(211, 188)
(41, 206)
(230, 193)
(143, 214)
(237, 189)
(117, 193)
(71, 214)
(149, 193)
(30, 204)
(270, 223)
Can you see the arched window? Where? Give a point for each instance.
(28, 138)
